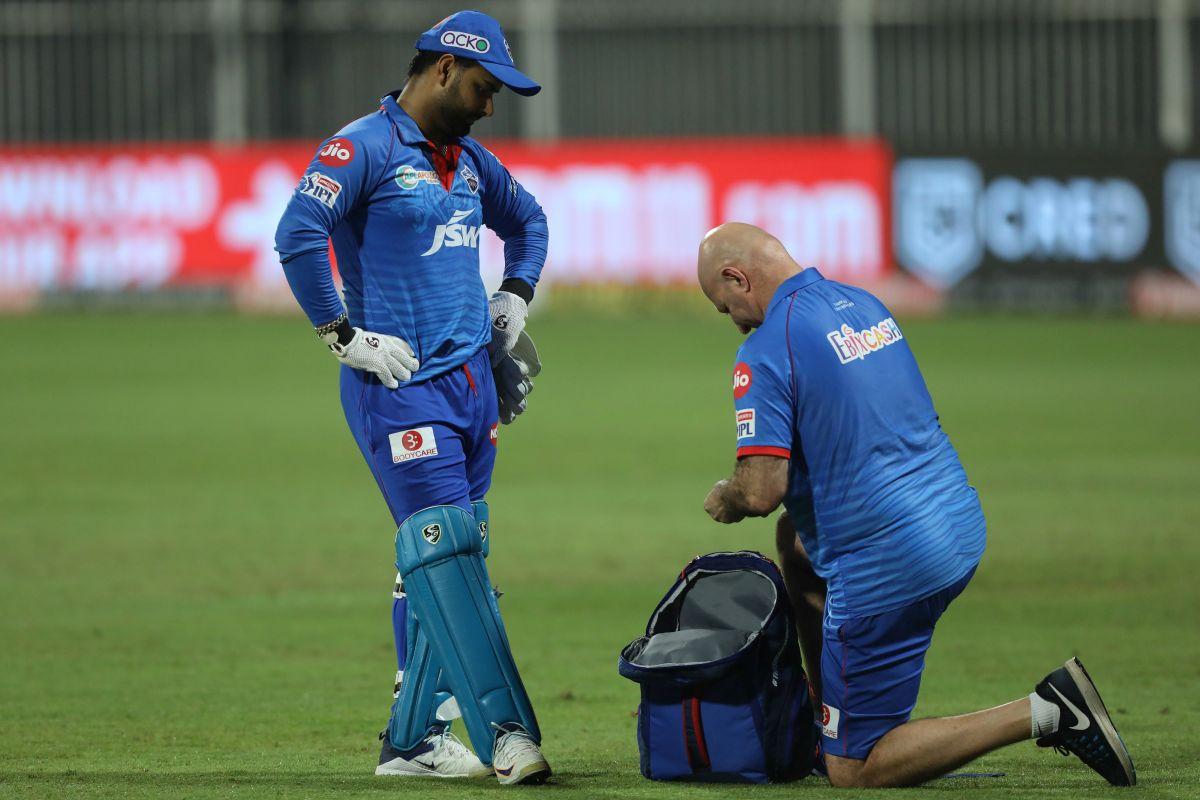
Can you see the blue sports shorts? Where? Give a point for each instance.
(429, 443)
(871, 670)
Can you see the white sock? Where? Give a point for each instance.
(1044, 715)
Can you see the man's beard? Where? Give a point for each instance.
(458, 120)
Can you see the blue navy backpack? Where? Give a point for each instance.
(724, 696)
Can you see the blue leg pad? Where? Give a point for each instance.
(415, 708)
(439, 553)
(479, 510)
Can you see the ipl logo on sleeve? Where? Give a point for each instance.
(745, 423)
(413, 444)
(322, 187)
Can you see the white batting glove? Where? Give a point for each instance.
(514, 378)
(508, 313)
(389, 357)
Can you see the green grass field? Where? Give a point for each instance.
(195, 565)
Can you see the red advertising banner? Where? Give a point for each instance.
(620, 211)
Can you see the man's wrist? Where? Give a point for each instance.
(338, 331)
(731, 497)
(518, 287)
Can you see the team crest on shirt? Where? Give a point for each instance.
(851, 345)
(830, 717)
(745, 423)
(413, 444)
(470, 177)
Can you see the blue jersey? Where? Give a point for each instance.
(407, 246)
(875, 489)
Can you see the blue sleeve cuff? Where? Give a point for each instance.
(311, 279)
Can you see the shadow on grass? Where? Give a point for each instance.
(224, 783)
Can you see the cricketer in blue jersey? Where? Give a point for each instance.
(430, 367)
(882, 531)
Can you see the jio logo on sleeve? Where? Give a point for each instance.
(741, 379)
(337, 152)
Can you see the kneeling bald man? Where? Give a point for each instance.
(882, 530)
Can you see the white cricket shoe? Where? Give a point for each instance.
(517, 759)
(441, 755)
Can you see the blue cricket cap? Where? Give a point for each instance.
(475, 35)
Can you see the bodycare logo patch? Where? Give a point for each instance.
(337, 152)
(830, 717)
(851, 345)
(467, 41)
(745, 423)
(413, 444)
(742, 377)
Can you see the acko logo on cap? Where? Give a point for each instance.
(467, 41)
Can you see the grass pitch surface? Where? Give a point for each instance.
(195, 565)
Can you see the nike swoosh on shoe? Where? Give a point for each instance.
(1079, 715)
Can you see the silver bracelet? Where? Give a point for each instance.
(330, 327)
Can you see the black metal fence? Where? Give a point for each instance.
(925, 74)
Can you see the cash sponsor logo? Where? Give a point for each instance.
(745, 423)
(467, 41)
(453, 233)
(742, 378)
(494, 434)
(851, 345)
(413, 444)
(337, 152)
(408, 176)
(322, 187)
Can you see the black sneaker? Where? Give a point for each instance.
(1084, 727)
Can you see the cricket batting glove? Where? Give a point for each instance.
(514, 376)
(508, 313)
(389, 357)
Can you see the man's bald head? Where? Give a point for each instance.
(739, 267)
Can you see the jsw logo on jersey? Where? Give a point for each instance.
(454, 233)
